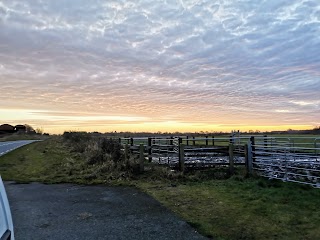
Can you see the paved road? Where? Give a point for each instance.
(67, 211)
(6, 147)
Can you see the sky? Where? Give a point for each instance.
(160, 65)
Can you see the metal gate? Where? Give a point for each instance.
(165, 150)
(286, 159)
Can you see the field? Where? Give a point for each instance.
(216, 204)
(238, 208)
(297, 140)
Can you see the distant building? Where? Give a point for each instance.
(20, 128)
(7, 128)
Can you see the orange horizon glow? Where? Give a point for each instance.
(57, 123)
(161, 127)
(179, 66)
(172, 129)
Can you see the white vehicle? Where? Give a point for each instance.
(6, 226)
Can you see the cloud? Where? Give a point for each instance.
(195, 61)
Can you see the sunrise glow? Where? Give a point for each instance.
(162, 66)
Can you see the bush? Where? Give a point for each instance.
(112, 147)
(76, 137)
(101, 156)
(105, 151)
(77, 141)
(95, 157)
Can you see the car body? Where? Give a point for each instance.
(6, 225)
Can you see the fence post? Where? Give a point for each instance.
(126, 151)
(131, 141)
(171, 144)
(141, 158)
(265, 140)
(316, 146)
(179, 144)
(206, 140)
(181, 157)
(231, 159)
(265, 143)
(179, 141)
(187, 140)
(212, 140)
(150, 149)
(253, 148)
(232, 137)
(248, 155)
(194, 142)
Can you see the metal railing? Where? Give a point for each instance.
(213, 151)
(165, 150)
(292, 160)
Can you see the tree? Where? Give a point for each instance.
(39, 130)
(29, 129)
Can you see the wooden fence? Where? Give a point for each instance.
(289, 159)
(189, 152)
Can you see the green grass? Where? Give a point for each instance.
(40, 161)
(216, 205)
(246, 209)
(52, 161)
(299, 140)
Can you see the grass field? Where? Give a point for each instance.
(297, 140)
(217, 205)
(45, 161)
(246, 209)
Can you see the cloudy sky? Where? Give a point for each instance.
(160, 65)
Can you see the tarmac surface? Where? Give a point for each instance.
(67, 211)
(9, 146)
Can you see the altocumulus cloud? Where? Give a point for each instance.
(247, 62)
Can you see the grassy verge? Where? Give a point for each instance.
(245, 209)
(216, 205)
(40, 161)
(52, 161)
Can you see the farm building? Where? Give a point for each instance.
(20, 128)
(7, 128)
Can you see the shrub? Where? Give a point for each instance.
(77, 141)
(76, 137)
(101, 156)
(104, 151)
(110, 146)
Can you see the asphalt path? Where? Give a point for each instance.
(67, 211)
(9, 146)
